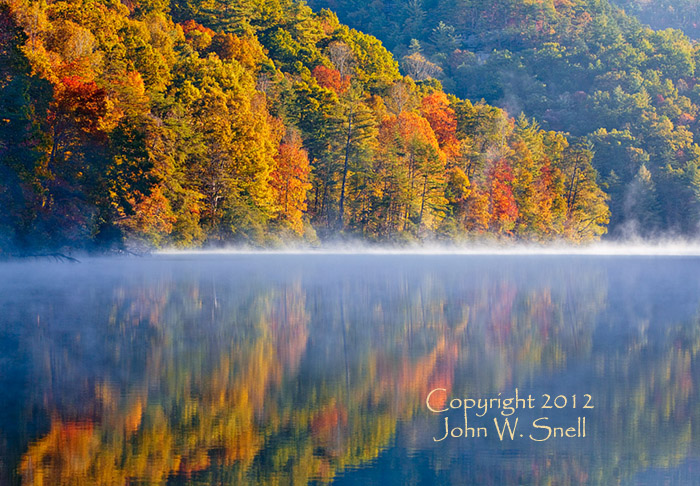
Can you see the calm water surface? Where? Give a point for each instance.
(298, 369)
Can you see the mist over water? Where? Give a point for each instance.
(245, 367)
(635, 246)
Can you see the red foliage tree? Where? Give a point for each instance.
(81, 103)
(436, 108)
(504, 211)
(330, 78)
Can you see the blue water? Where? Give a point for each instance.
(314, 369)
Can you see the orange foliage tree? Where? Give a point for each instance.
(504, 211)
(290, 180)
(330, 78)
(437, 110)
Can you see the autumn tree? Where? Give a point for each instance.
(358, 128)
(290, 179)
(503, 209)
(587, 211)
(23, 105)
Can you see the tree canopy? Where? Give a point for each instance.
(210, 122)
(585, 67)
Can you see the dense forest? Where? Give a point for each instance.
(263, 121)
(581, 66)
(664, 14)
(209, 122)
(260, 121)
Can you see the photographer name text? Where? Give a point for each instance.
(556, 420)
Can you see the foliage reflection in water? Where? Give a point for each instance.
(291, 369)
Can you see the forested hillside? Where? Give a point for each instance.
(581, 66)
(259, 121)
(664, 14)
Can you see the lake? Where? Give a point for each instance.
(373, 369)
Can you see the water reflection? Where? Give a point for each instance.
(279, 369)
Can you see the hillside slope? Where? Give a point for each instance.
(581, 66)
(262, 122)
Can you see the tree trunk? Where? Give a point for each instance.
(422, 201)
(572, 191)
(341, 208)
